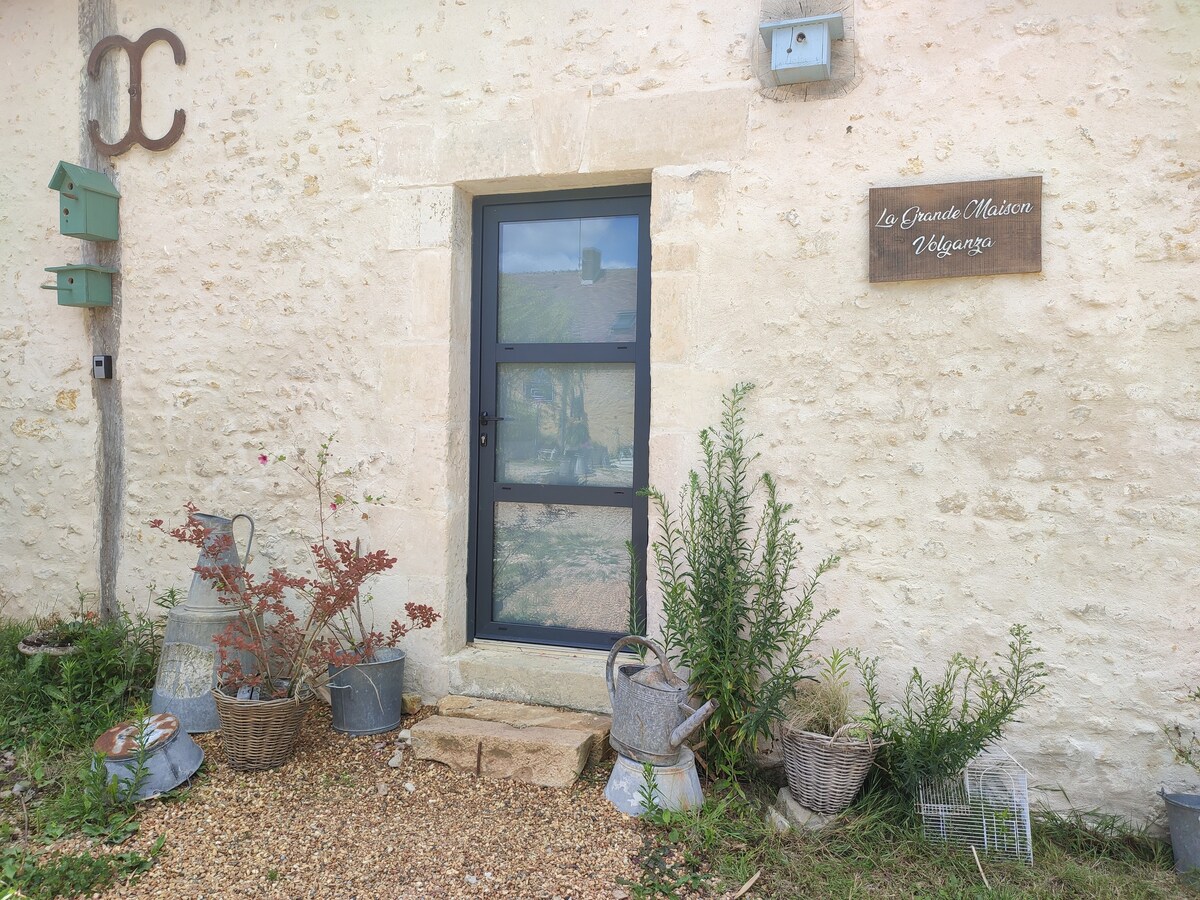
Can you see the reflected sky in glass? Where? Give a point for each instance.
(557, 245)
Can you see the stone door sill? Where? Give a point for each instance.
(531, 673)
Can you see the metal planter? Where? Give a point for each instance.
(1183, 817)
(367, 698)
(675, 787)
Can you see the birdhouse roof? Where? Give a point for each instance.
(82, 267)
(87, 179)
(833, 20)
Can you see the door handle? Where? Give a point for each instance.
(485, 420)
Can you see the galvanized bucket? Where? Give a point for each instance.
(170, 756)
(1183, 817)
(674, 787)
(650, 715)
(367, 698)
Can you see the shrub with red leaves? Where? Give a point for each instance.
(291, 650)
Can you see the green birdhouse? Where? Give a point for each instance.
(82, 285)
(87, 205)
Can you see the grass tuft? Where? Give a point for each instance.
(1101, 837)
(876, 849)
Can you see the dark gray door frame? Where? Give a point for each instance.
(487, 353)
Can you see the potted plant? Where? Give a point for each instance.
(55, 637)
(261, 705)
(366, 681)
(827, 751)
(294, 630)
(365, 667)
(1183, 809)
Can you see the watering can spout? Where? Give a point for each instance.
(697, 718)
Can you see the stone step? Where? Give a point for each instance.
(527, 715)
(535, 744)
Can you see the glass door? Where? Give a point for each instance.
(562, 415)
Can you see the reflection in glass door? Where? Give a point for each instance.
(561, 391)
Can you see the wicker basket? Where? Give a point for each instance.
(259, 734)
(824, 773)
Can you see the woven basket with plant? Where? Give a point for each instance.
(827, 753)
(260, 734)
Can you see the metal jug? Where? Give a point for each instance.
(220, 549)
(187, 668)
(651, 718)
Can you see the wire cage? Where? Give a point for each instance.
(986, 807)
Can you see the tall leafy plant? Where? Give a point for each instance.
(733, 613)
(941, 724)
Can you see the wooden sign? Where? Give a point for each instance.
(958, 229)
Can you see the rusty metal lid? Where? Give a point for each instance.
(121, 741)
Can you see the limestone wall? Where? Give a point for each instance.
(47, 410)
(980, 451)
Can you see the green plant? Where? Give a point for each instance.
(636, 621)
(91, 802)
(664, 874)
(1185, 744)
(69, 875)
(877, 849)
(666, 870)
(822, 704)
(168, 599)
(53, 708)
(648, 793)
(61, 704)
(1096, 835)
(720, 845)
(97, 803)
(941, 725)
(730, 612)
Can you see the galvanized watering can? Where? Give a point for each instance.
(651, 718)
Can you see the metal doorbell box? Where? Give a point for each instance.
(102, 367)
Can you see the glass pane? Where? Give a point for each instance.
(569, 423)
(562, 566)
(569, 280)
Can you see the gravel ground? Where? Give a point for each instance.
(337, 822)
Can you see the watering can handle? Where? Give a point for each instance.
(620, 645)
(249, 540)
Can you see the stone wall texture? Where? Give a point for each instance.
(979, 451)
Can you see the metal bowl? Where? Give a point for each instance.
(170, 758)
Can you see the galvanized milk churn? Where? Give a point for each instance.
(651, 718)
(187, 669)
